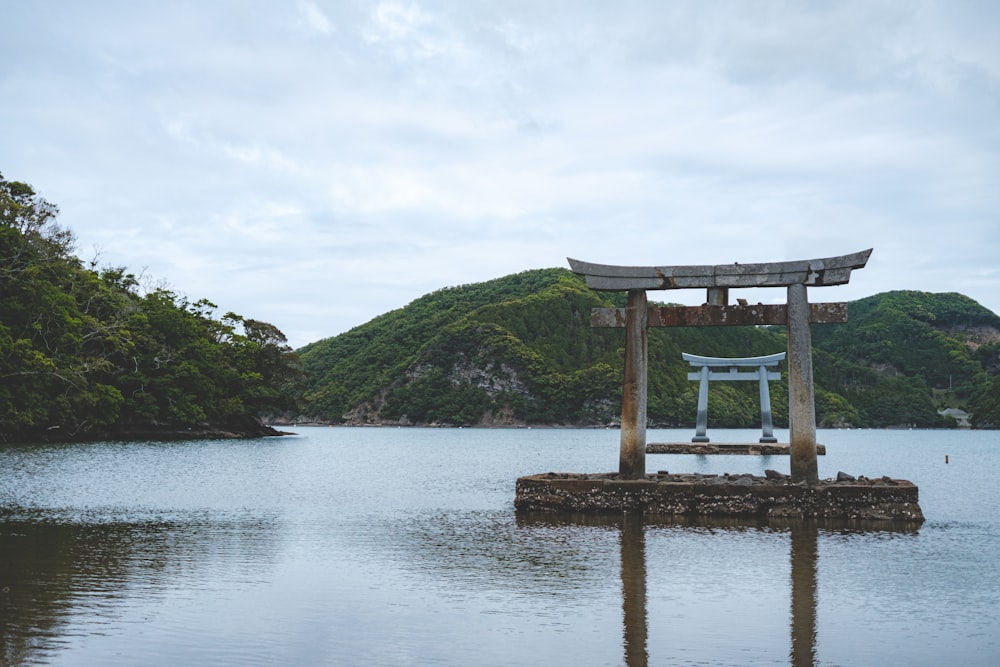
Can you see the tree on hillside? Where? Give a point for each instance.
(84, 353)
(985, 404)
(521, 348)
(52, 352)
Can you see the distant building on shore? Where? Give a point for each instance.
(961, 416)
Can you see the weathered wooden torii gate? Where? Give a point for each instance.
(797, 314)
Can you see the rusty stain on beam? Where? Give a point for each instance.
(720, 316)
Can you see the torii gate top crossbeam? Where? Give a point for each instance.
(697, 360)
(811, 272)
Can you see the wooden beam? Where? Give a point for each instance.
(729, 362)
(812, 272)
(720, 316)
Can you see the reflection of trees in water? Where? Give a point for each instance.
(530, 552)
(526, 556)
(51, 570)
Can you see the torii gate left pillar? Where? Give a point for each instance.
(632, 460)
(797, 315)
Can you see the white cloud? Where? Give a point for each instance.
(317, 166)
(314, 17)
(393, 21)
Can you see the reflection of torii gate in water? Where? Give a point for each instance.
(804, 555)
(797, 314)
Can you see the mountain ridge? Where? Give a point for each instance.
(519, 350)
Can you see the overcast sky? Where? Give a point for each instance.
(314, 164)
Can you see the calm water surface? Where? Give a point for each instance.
(380, 546)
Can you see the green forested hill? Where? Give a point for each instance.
(902, 353)
(520, 350)
(465, 354)
(87, 353)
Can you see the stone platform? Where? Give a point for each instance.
(746, 496)
(751, 448)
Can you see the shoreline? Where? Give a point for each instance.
(152, 433)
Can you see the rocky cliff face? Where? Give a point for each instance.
(500, 383)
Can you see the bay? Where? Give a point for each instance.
(384, 546)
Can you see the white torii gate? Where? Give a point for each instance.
(707, 366)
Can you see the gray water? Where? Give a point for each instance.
(379, 546)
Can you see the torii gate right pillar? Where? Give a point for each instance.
(801, 401)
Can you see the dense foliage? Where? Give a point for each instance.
(459, 353)
(902, 355)
(520, 349)
(87, 353)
